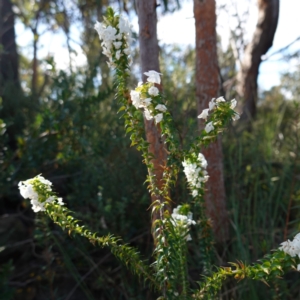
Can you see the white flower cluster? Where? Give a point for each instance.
(140, 101)
(214, 102)
(291, 247)
(196, 173)
(182, 220)
(28, 191)
(116, 41)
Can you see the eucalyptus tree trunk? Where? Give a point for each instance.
(9, 56)
(207, 87)
(10, 89)
(149, 55)
(262, 41)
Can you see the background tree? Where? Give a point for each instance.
(9, 73)
(149, 56)
(207, 87)
(262, 40)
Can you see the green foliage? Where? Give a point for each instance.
(260, 170)
(6, 270)
(272, 266)
(126, 254)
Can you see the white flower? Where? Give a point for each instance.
(126, 51)
(291, 247)
(124, 26)
(153, 91)
(220, 99)
(158, 118)
(117, 45)
(297, 237)
(148, 115)
(183, 221)
(135, 98)
(40, 206)
(204, 114)
(113, 41)
(202, 160)
(191, 171)
(145, 102)
(196, 173)
(153, 76)
(119, 36)
(296, 243)
(44, 181)
(176, 215)
(161, 107)
(233, 104)
(109, 34)
(129, 39)
(118, 54)
(27, 191)
(188, 237)
(235, 117)
(99, 28)
(212, 104)
(60, 202)
(37, 206)
(106, 52)
(209, 127)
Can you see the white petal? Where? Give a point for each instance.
(153, 76)
(204, 114)
(212, 104)
(158, 118)
(233, 104)
(161, 107)
(209, 127)
(220, 99)
(148, 115)
(118, 54)
(117, 45)
(145, 102)
(135, 98)
(235, 117)
(153, 91)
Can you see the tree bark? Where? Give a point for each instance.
(149, 55)
(8, 55)
(262, 41)
(10, 89)
(207, 87)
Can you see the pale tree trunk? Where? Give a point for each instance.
(34, 63)
(149, 54)
(207, 87)
(268, 12)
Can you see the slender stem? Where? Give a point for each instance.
(183, 272)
